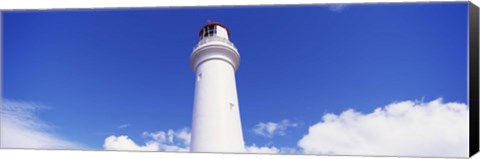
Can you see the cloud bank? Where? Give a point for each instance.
(178, 140)
(21, 128)
(158, 141)
(124, 143)
(271, 129)
(406, 128)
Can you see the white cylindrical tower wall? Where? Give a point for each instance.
(216, 119)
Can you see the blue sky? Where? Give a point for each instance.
(98, 69)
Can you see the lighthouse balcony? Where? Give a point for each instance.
(214, 39)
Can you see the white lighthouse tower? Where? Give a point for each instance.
(216, 125)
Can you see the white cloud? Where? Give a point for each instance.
(124, 126)
(21, 128)
(185, 136)
(124, 143)
(169, 140)
(338, 8)
(159, 136)
(270, 129)
(400, 129)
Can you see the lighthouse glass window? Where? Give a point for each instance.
(383, 79)
(209, 31)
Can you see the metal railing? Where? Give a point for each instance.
(214, 38)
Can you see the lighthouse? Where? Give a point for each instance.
(216, 124)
